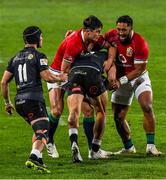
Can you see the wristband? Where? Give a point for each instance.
(123, 80)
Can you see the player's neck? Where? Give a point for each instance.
(31, 45)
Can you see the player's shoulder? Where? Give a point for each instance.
(112, 32)
(40, 54)
(140, 42)
(41, 58)
(139, 38)
(18, 55)
(74, 37)
(112, 36)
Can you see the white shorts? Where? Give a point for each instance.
(124, 95)
(53, 85)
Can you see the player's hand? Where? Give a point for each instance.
(68, 33)
(90, 47)
(9, 108)
(63, 77)
(114, 84)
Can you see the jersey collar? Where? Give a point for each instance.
(82, 35)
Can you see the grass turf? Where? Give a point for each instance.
(55, 17)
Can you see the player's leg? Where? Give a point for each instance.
(88, 121)
(56, 96)
(143, 93)
(100, 104)
(100, 109)
(39, 140)
(123, 129)
(35, 114)
(74, 102)
(121, 100)
(88, 125)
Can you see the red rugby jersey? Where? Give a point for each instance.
(71, 47)
(134, 52)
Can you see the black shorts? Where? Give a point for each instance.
(86, 81)
(31, 110)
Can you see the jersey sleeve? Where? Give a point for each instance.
(141, 51)
(112, 37)
(99, 44)
(71, 52)
(42, 62)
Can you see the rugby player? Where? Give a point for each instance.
(27, 67)
(132, 79)
(85, 79)
(75, 44)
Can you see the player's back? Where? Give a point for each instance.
(26, 69)
(92, 59)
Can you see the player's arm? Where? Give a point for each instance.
(111, 75)
(139, 69)
(7, 76)
(103, 43)
(66, 66)
(111, 57)
(46, 74)
(140, 61)
(52, 78)
(71, 52)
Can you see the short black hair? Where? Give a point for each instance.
(31, 35)
(92, 22)
(125, 19)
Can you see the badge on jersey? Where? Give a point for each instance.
(43, 62)
(129, 52)
(30, 56)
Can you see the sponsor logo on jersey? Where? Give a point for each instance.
(43, 62)
(30, 56)
(80, 72)
(129, 52)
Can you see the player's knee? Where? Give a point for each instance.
(56, 114)
(41, 130)
(42, 135)
(72, 123)
(72, 120)
(56, 111)
(147, 108)
(117, 118)
(88, 113)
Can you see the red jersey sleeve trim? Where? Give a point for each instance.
(67, 61)
(140, 61)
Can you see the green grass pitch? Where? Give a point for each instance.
(55, 17)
